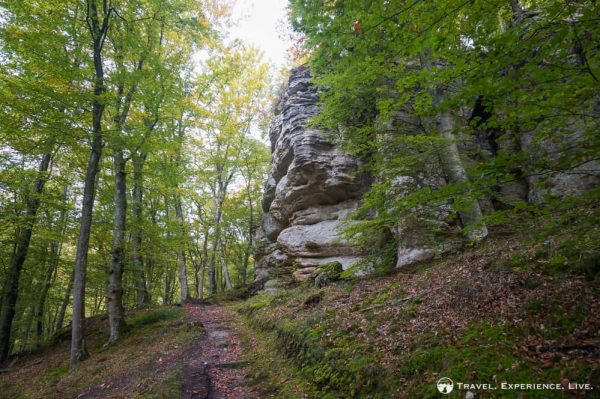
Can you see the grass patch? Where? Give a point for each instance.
(513, 309)
(156, 315)
(557, 319)
(270, 371)
(54, 374)
(339, 367)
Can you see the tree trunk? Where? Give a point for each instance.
(172, 286)
(452, 164)
(117, 259)
(116, 318)
(212, 281)
(98, 31)
(226, 276)
(60, 318)
(196, 267)
(196, 260)
(181, 253)
(39, 314)
(141, 288)
(454, 170)
(11, 285)
(212, 277)
(166, 284)
(517, 11)
(150, 262)
(99, 297)
(78, 349)
(55, 250)
(27, 328)
(203, 265)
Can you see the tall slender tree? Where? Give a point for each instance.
(99, 20)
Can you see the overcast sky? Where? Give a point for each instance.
(258, 21)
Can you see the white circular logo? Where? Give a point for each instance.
(445, 385)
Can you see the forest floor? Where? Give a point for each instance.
(508, 311)
(511, 310)
(146, 362)
(169, 352)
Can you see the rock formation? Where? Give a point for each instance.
(313, 186)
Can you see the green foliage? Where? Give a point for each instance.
(56, 373)
(376, 299)
(181, 122)
(336, 364)
(379, 263)
(333, 269)
(260, 301)
(526, 73)
(564, 236)
(340, 368)
(560, 319)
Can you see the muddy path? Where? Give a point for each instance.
(214, 367)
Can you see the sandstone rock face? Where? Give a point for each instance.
(313, 186)
(553, 180)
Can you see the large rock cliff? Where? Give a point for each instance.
(313, 186)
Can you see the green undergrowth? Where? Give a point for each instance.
(154, 316)
(337, 367)
(270, 372)
(557, 240)
(233, 295)
(484, 354)
(500, 312)
(144, 363)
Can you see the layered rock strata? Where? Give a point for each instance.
(312, 188)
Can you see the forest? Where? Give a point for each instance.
(423, 178)
(131, 164)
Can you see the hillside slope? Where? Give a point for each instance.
(508, 311)
(145, 363)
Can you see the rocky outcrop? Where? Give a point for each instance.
(312, 188)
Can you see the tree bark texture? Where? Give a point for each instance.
(183, 283)
(117, 258)
(139, 277)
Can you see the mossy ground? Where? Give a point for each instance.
(501, 312)
(144, 363)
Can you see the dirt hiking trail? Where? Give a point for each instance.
(214, 367)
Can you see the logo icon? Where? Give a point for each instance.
(445, 385)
